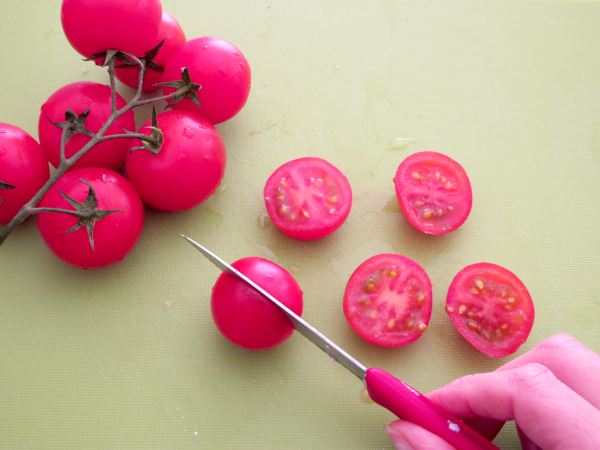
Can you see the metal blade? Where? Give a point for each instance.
(305, 328)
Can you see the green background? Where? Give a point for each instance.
(128, 356)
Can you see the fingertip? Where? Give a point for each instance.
(408, 436)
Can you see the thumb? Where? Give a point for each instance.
(408, 436)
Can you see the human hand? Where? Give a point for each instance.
(552, 393)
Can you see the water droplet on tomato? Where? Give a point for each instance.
(188, 132)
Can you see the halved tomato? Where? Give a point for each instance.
(491, 308)
(434, 192)
(308, 198)
(388, 300)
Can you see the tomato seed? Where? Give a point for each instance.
(419, 203)
(333, 199)
(443, 179)
(426, 214)
(462, 309)
(472, 325)
(437, 176)
(390, 324)
(305, 213)
(373, 314)
(511, 301)
(409, 324)
(450, 208)
(420, 299)
(479, 283)
(422, 326)
(416, 175)
(448, 185)
(474, 290)
(450, 309)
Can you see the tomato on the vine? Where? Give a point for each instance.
(434, 192)
(115, 221)
(94, 26)
(23, 170)
(388, 300)
(308, 198)
(80, 97)
(173, 36)
(491, 308)
(220, 69)
(187, 168)
(246, 317)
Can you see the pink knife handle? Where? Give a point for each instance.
(409, 404)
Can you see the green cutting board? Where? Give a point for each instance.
(128, 357)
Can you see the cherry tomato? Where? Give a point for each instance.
(222, 71)
(94, 26)
(187, 169)
(434, 192)
(79, 97)
(23, 170)
(491, 308)
(171, 32)
(388, 300)
(113, 235)
(247, 318)
(308, 198)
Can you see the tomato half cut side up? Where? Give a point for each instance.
(491, 308)
(308, 198)
(388, 300)
(434, 192)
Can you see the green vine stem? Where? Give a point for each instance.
(29, 208)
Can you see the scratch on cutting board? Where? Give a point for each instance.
(262, 129)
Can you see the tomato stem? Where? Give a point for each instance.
(66, 163)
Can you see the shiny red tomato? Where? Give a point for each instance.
(113, 235)
(94, 26)
(491, 308)
(222, 71)
(388, 300)
(308, 198)
(23, 170)
(187, 169)
(171, 32)
(247, 318)
(434, 192)
(79, 97)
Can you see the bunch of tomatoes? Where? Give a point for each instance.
(105, 188)
(92, 215)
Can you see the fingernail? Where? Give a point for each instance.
(398, 439)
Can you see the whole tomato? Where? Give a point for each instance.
(114, 226)
(173, 36)
(80, 97)
(220, 68)
(94, 26)
(188, 167)
(23, 170)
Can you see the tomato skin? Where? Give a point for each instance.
(434, 192)
(247, 318)
(23, 164)
(79, 97)
(388, 300)
(300, 181)
(114, 235)
(174, 38)
(93, 26)
(188, 168)
(222, 71)
(491, 308)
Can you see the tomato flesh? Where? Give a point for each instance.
(308, 198)
(246, 317)
(491, 308)
(388, 300)
(434, 192)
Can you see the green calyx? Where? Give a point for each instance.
(185, 88)
(155, 139)
(88, 213)
(74, 124)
